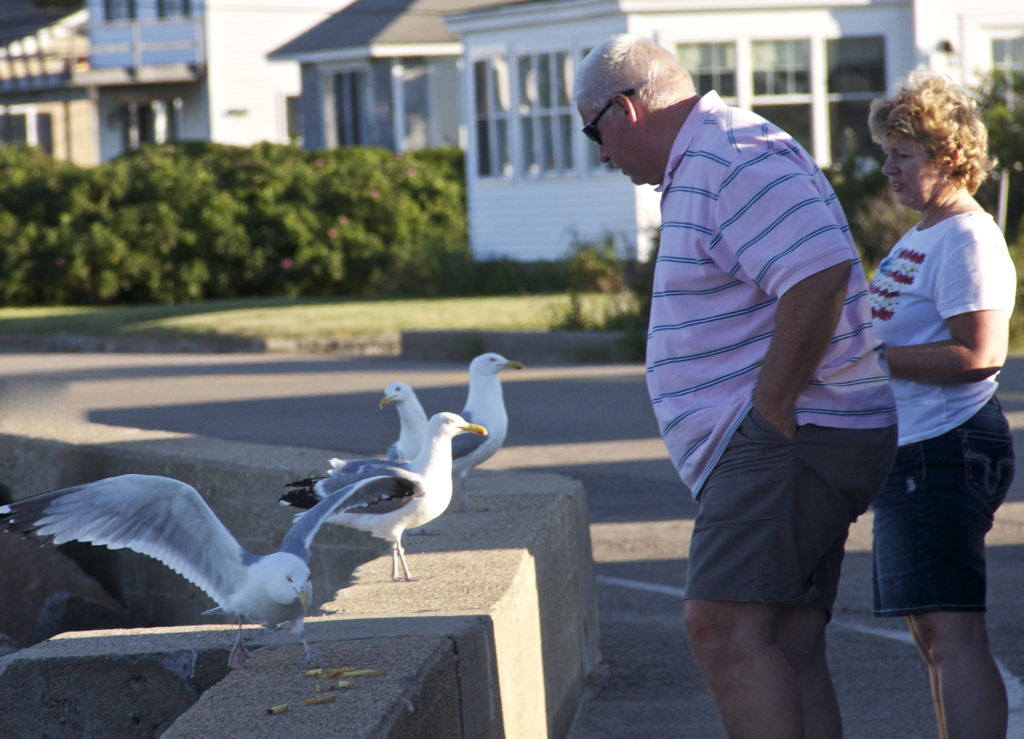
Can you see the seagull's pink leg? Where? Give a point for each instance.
(239, 654)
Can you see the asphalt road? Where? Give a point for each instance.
(593, 423)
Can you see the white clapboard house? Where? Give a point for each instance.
(811, 66)
(167, 70)
(381, 73)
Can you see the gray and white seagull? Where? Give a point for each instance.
(485, 405)
(387, 516)
(167, 519)
(411, 417)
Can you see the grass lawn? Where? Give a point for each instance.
(303, 318)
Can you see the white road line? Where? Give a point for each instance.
(1014, 685)
(646, 586)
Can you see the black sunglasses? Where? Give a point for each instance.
(590, 130)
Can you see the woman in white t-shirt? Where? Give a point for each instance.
(941, 303)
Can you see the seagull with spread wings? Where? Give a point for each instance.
(167, 519)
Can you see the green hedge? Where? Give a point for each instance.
(192, 221)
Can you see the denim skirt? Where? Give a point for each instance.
(932, 516)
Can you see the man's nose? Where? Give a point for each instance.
(603, 155)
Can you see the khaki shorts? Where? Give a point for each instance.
(775, 513)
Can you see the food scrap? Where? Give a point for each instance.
(273, 711)
(342, 672)
(315, 701)
(342, 684)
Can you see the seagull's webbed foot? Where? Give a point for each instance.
(308, 655)
(239, 656)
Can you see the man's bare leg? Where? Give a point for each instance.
(802, 638)
(765, 666)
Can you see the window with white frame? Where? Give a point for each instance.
(173, 8)
(545, 115)
(26, 126)
(152, 122)
(493, 99)
(115, 10)
(782, 85)
(13, 128)
(415, 81)
(856, 76)
(350, 107)
(712, 66)
(293, 122)
(1008, 54)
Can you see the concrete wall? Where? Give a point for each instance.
(504, 623)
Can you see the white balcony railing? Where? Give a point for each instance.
(109, 47)
(145, 42)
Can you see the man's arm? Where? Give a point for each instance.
(805, 322)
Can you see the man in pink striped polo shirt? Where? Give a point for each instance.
(769, 386)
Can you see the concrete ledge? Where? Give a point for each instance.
(498, 641)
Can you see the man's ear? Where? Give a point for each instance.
(632, 111)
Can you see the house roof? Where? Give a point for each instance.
(367, 23)
(20, 18)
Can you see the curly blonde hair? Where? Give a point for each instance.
(929, 109)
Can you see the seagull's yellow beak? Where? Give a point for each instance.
(304, 600)
(387, 399)
(473, 428)
(513, 365)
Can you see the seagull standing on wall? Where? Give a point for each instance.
(387, 514)
(485, 405)
(167, 520)
(412, 418)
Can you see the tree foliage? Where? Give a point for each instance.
(1001, 104)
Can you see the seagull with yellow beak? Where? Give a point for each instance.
(411, 416)
(167, 519)
(485, 405)
(387, 514)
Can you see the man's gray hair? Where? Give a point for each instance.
(628, 62)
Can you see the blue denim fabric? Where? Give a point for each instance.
(933, 513)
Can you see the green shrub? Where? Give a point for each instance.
(193, 221)
(596, 266)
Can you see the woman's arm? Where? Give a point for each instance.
(976, 350)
